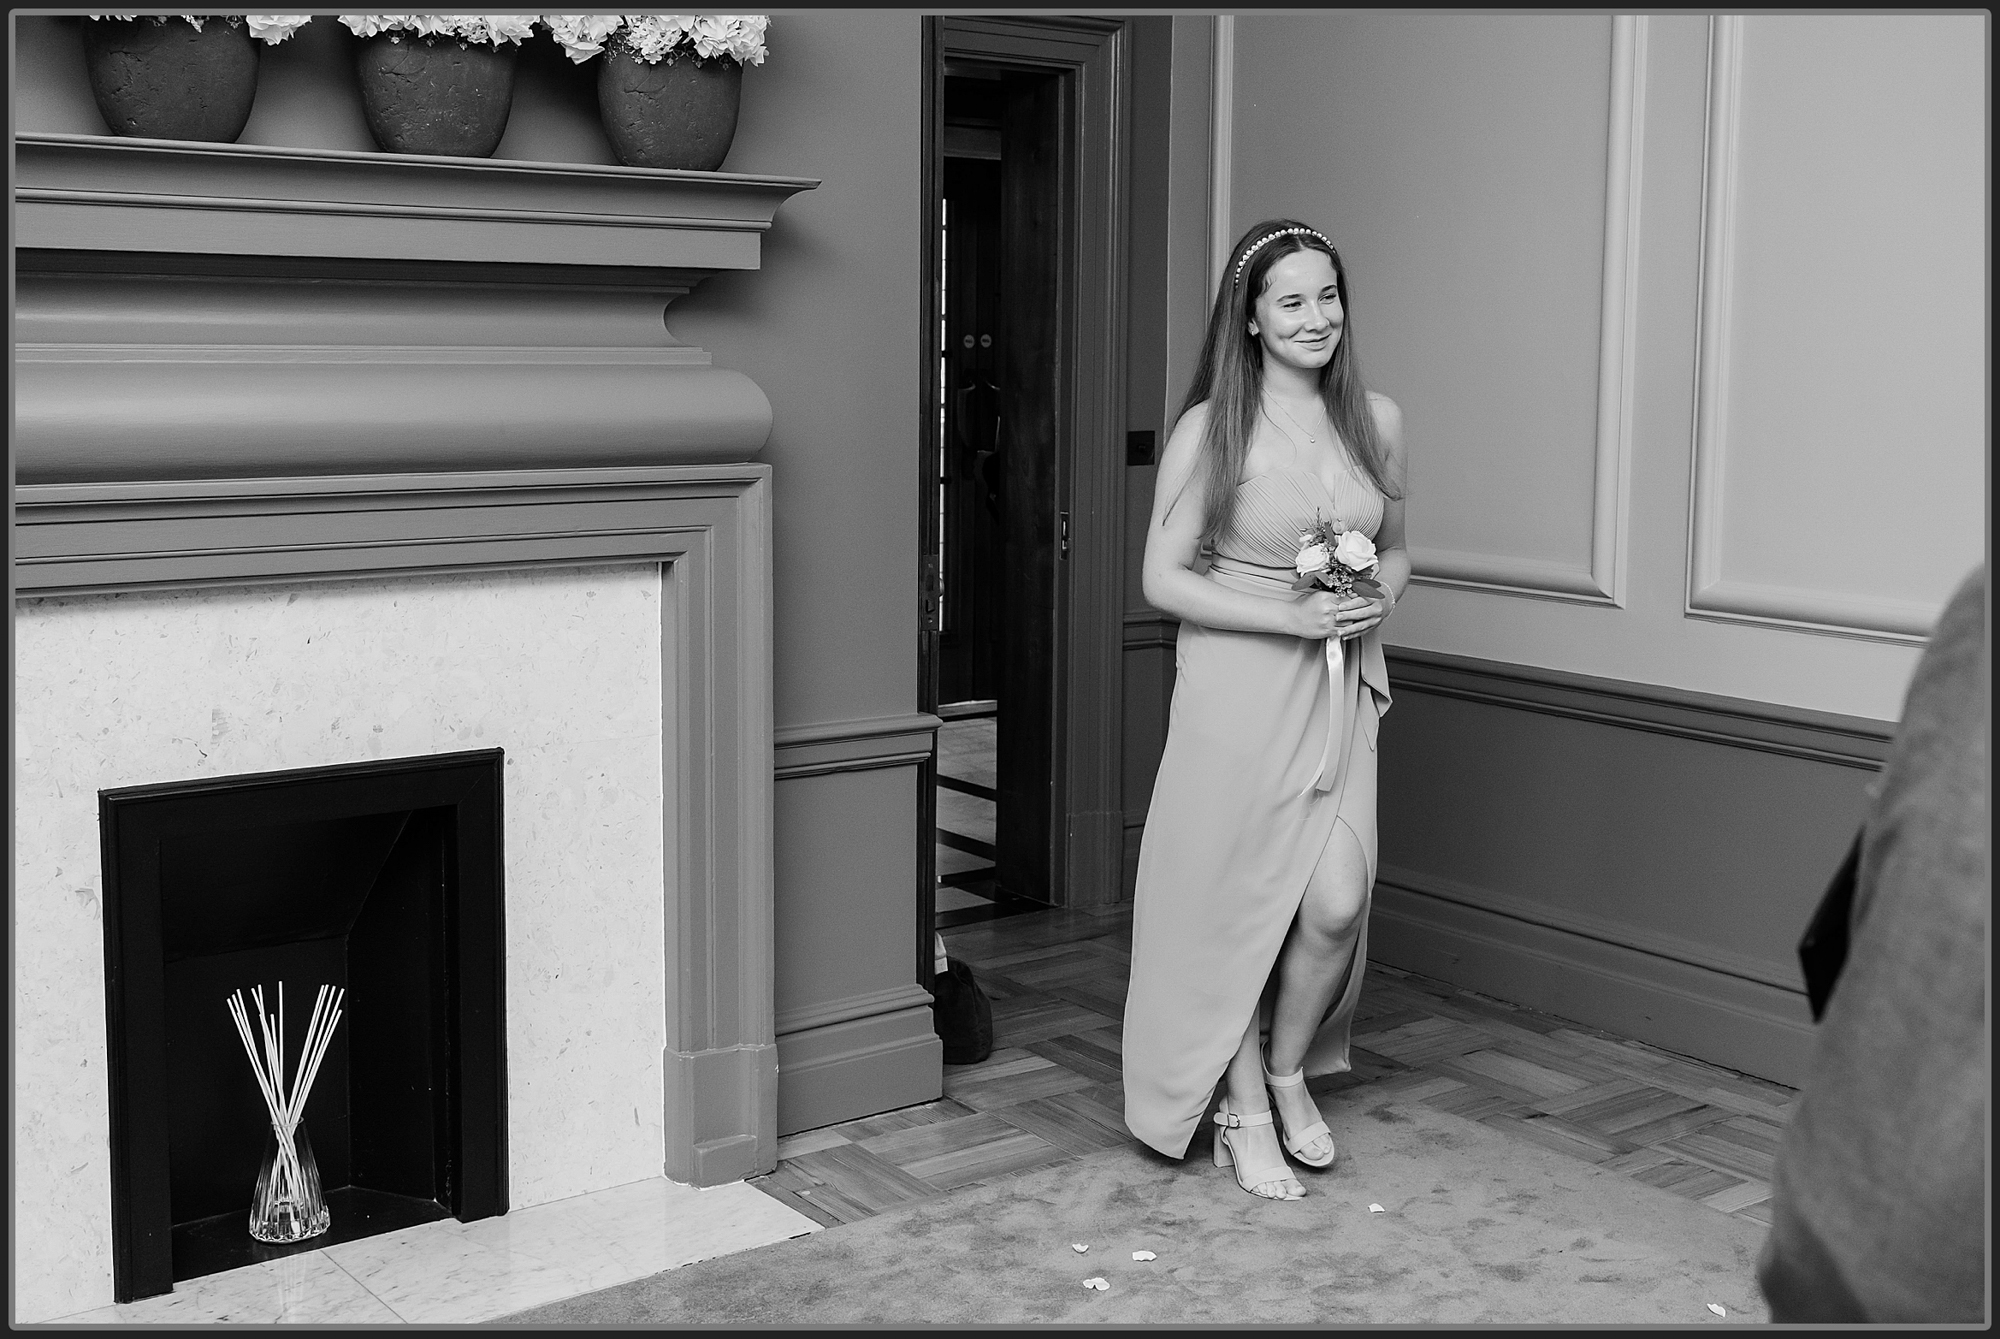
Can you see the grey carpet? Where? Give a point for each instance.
(1477, 1227)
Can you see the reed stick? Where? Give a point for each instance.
(286, 1107)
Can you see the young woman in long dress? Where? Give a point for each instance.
(1259, 851)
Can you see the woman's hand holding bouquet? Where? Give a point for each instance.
(1343, 565)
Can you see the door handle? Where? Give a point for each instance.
(1062, 549)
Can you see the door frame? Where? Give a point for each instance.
(1093, 55)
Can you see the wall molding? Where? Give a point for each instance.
(1148, 629)
(1711, 593)
(1692, 1010)
(1583, 925)
(875, 1063)
(117, 193)
(709, 528)
(1603, 581)
(854, 746)
(893, 999)
(1816, 736)
(1221, 152)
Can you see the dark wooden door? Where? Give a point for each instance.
(1028, 451)
(971, 623)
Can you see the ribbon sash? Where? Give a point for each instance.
(1336, 716)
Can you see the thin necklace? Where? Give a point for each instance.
(1294, 422)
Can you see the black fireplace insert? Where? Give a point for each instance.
(382, 878)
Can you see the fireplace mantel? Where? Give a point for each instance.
(194, 311)
(107, 193)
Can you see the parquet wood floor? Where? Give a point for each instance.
(1050, 1090)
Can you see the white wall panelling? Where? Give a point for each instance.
(1481, 174)
(1603, 580)
(1838, 417)
(1221, 158)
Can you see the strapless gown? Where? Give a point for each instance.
(1265, 752)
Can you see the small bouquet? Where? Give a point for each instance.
(1341, 561)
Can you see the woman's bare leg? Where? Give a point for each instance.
(1313, 966)
(1244, 1082)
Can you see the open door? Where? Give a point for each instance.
(1032, 528)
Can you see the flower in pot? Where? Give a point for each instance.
(438, 83)
(179, 76)
(670, 84)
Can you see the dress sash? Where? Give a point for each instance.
(1343, 689)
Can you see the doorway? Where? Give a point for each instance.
(998, 213)
(1021, 504)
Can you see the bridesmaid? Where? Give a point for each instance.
(1259, 851)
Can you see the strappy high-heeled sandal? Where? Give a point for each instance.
(1296, 1144)
(1247, 1176)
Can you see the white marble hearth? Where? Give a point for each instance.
(452, 1273)
(561, 667)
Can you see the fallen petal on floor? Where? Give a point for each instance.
(1144, 1255)
(1717, 1310)
(1079, 1247)
(1099, 1284)
(1376, 1208)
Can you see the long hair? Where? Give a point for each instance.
(1230, 374)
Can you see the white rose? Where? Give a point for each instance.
(583, 36)
(1356, 551)
(275, 28)
(371, 25)
(515, 28)
(1312, 559)
(710, 35)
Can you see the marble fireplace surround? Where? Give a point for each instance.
(221, 382)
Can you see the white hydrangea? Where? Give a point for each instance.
(738, 36)
(582, 36)
(492, 29)
(372, 25)
(275, 28)
(656, 37)
(653, 37)
(195, 19)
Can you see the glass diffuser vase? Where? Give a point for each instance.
(287, 1205)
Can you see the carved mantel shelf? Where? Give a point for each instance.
(201, 310)
(105, 193)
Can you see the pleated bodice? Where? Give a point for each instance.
(1275, 507)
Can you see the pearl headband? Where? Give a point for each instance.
(1258, 245)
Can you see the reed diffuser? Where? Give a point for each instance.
(288, 1204)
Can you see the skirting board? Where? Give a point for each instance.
(1723, 1019)
(828, 1074)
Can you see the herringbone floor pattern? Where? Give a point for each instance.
(1050, 1091)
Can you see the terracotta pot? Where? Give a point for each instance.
(674, 114)
(423, 95)
(172, 80)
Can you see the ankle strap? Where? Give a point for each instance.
(1291, 1080)
(1234, 1120)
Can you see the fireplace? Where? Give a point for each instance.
(406, 462)
(381, 878)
